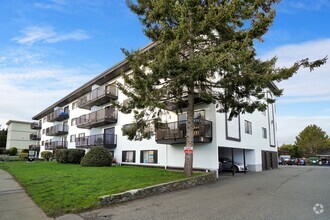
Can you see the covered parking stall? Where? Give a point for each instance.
(230, 155)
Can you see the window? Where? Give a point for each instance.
(73, 138)
(148, 156)
(197, 115)
(81, 135)
(128, 156)
(66, 109)
(264, 133)
(248, 127)
(43, 131)
(42, 143)
(44, 119)
(74, 105)
(73, 121)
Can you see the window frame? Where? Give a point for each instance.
(154, 158)
(248, 127)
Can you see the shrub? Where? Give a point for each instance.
(25, 151)
(97, 157)
(23, 156)
(11, 151)
(2, 150)
(69, 155)
(47, 155)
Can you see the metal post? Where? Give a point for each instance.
(232, 161)
(244, 161)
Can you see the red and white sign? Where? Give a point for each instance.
(188, 150)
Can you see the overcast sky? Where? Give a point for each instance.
(50, 47)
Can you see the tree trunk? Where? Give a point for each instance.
(188, 163)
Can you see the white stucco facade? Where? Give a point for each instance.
(19, 134)
(260, 137)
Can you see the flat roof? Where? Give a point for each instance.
(17, 121)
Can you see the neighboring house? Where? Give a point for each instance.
(84, 119)
(22, 134)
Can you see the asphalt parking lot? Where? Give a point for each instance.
(284, 193)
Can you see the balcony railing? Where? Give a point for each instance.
(98, 96)
(56, 145)
(34, 147)
(57, 130)
(58, 115)
(35, 136)
(105, 140)
(97, 118)
(175, 132)
(35, 125)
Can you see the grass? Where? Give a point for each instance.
(63, 188)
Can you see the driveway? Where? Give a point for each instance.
(284, 193)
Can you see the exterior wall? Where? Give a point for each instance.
(19, 135)
(225, 134)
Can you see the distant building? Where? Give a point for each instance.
(21, 134)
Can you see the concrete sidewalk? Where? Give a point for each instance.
(15, 204)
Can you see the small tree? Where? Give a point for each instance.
(312, 140)
(203, 49)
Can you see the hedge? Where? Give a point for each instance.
(47, 155)
(69, 155)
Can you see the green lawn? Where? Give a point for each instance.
(62, 188)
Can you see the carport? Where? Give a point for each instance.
(235, 155)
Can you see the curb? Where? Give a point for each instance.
(157, 189)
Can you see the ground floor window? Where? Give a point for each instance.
(148, 156)
(128, 156)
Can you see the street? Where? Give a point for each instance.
(284, 193)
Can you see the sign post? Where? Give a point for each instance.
(188, 150)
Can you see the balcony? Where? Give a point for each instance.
(56, 145)
(34, 147)
(97, 97)
(175, 132)
(35, 125)
(35, 136)
(97, 118)
(58, 115)
(57, 130)
(104, 140)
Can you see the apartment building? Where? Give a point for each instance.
(84, 119)
(22, 134)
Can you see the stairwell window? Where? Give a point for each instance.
(73, 138)
(148, 156)
(248, 127)
(264, 133)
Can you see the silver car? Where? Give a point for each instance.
(228, 165)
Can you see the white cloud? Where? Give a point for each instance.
(288, 127)
(289, 6)
(24, 92)
(46, 34)
(305, 85)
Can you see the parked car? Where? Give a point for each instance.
(227, 165)
(292, 161)
(324, 162)
(220, 167)
(313, 160)
(285, 159)
(302, 162)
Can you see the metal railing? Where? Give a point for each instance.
(35, 136)
(57, 130)
(98, 93)
(56, 145)
(177, 130)
(102, 115)
(58, 115)
(35, 125)
(106, 140)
